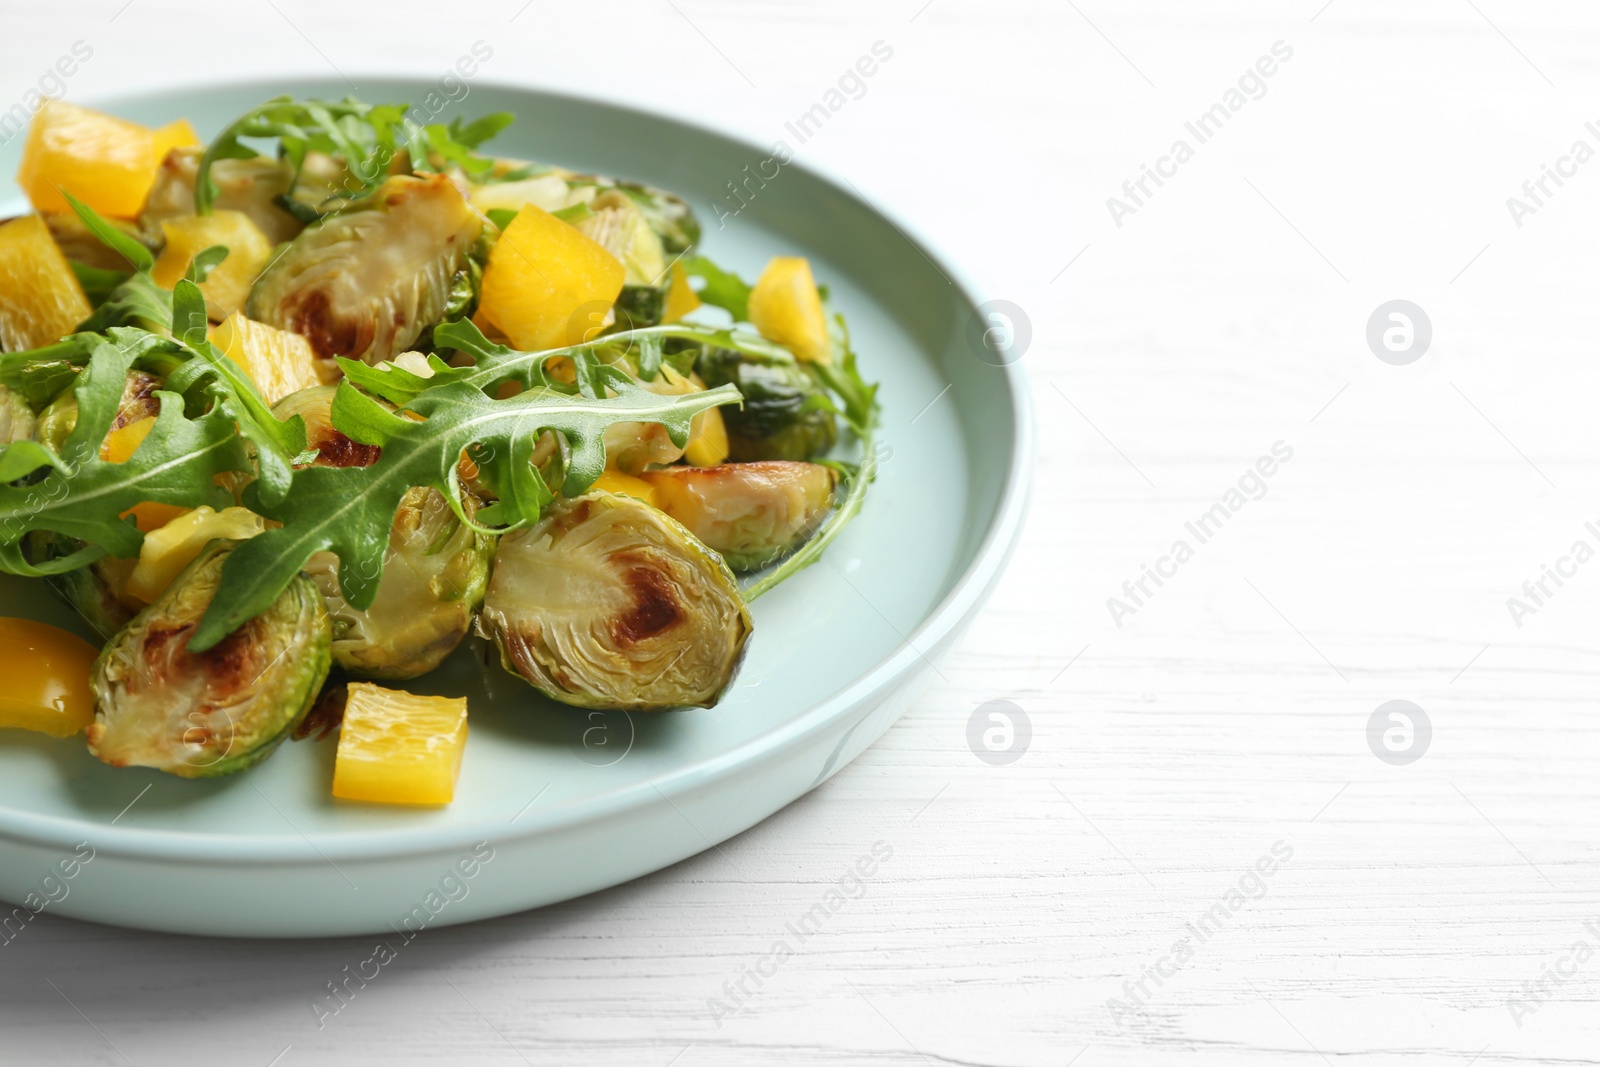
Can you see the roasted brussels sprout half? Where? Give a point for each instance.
(434, 575)
(608, 603)
(617, 225)
(200, 715)
(786, 412)
(95, 591)
(253, 186)
(17, 420)
(752, 513)
(315, 408)
(668, 214)
(638, 306)
(366, 282)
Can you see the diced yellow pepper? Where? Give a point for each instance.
(546, 285)
(681, 299)
(228, 285)
(786, 307)
(398, 747)
(172, 547)
(279, 362)
(614, 481)
(106, 162)
(708, 435)
(46, 672)
(40, 298)
(120, 444)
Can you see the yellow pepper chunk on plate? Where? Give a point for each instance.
(228, 285)
(41, 300)
(397, 747)
(786, 307)
(106, 162)
(46, 672)
(547, 285)
(279, 362)
(614, 481)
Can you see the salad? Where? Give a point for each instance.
(286, 417)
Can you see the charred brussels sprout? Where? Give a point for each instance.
(608, 603)
(434, 574)
(95, 591)
(367, 281)
(786, 413)
(752, 513)
(667, 214)
(253, 186)
(201, 715)
(638, 306)
(332, 448)
(17, 420)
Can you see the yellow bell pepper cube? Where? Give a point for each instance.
(397, 747)
(546, 285)
(106, 162)
(681, 299)
(46, 672)
(168, 550)
(614, 481)
(279, 362)
(40, 298)
(228, 285)
(786, 307)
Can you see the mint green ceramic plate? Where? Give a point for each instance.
(554, 802)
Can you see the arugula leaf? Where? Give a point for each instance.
(368, 137)
(83, 496)
(723, 289)
(98, 283)
(476, 132)
(277, 443)
(138, 256)
(494, 364)
(136, 302)
(204, 262)
(349, 510)
(843, 377)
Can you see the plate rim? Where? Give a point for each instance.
(939, 623)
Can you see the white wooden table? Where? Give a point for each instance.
(1228, 713)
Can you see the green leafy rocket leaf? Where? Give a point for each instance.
(723, 289)
(349, 510)
(83, 496)
(276, 442)
(138, 256)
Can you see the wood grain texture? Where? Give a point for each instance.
(1227, 714)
